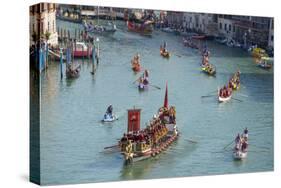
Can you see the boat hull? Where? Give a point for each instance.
(264, 66)
(143, 87)
(144, 29)
(224, 99)
(239, 155)
(136, 68)
(84, 53)
(207, 70)
(111, 119)
(153, 151)
(165, 54)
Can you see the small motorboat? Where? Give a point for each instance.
(80, 49)
(107, 118)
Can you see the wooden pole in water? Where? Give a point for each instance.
(47, 55)
(68, 34)
(61, 73)
(98, 51)
(79, 34)
(93, 59)
(82, 53)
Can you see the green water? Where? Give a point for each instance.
(72, 137)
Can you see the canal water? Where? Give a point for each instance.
(73, 138)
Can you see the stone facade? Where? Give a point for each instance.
(42, 20)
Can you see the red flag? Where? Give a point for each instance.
(166, 97)
(133, 120)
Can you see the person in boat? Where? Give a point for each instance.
(109, 110)
(124, 138)
(237, 142)
(244, 146)
(245, 134)
(165, 45)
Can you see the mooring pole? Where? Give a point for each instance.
(93, 59)
(61, 59)
(98, 50)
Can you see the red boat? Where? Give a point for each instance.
(198, 37)
(145, 28)
(80, 49)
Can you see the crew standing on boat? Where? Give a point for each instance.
(109, 110)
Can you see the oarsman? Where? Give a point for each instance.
(237, 142)
(109, 110)
(245, 134)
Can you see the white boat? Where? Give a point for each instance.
(99, 29)
(239, 155)
(143, 87)
(109, 118)
(224, 99)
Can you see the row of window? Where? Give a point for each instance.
(42, 27)
(42, 7)
(230, 28)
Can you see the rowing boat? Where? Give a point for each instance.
(136, 67)
(209, 69)
(109, 118)
(240, 150)
(165, 54)
(239, 155)
(234, 82)
(222, 98)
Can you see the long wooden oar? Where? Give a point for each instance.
(155, 86)
(243, 95)
(192, 141)
(228, 144)
(237, 99)
(114, 146)
(135, 81)
(207, 96)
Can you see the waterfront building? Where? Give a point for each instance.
(251, 30)
(200, 22)
(226, 26)
(43, 23)
(174, 19)
(271, 34)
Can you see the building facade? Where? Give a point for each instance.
(200, 22)
(43, 23)
(271, 34)
(252, 30)
(226, 26)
